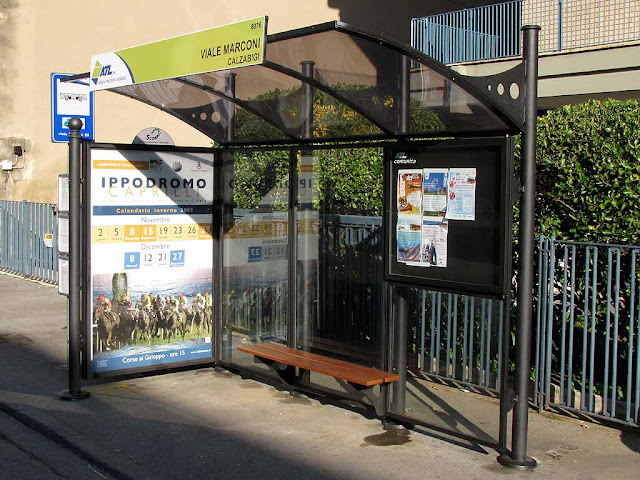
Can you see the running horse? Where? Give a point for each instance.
(107, 323)
(196, 316)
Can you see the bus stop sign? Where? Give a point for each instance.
(68, 100)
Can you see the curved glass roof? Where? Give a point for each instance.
(359, 86)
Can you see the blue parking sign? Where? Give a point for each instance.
(68, 100)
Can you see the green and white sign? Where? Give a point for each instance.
(230, 46)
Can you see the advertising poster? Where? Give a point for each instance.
(151, 258)
(409, 204)
(409, 240)
(409, 192)
(434, 243)
(434, 192)
(427, 199)
(462, 194)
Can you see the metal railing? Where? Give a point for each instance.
(493, 31)
(24, 227)
(460, 339)
(471, 34)
(587, 355)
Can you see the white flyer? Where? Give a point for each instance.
(434, 193)
(462, 194)
(434, 243)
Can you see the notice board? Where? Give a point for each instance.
(149, 247)
(448, 215)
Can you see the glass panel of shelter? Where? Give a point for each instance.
(454, 361)
(255, 282)
(339, 250)
(204, 109)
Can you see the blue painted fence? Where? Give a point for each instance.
(23, 228)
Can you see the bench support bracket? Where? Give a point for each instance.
(294, 382)
(359, 393)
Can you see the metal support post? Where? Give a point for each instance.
(400, 301)
(400, 338)
(292, 236)
(305, 285)
(230, 90)
(220, 349)
(75, 270)
(518, 458)
(307, 98)
(224, 172)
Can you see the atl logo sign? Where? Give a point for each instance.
(100, 70)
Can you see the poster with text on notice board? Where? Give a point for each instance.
(151, 257)
(427, 199)
(447, 215)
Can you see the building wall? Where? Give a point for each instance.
(582, 23)
(39, 37)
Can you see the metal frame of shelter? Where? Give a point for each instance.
(394, 92)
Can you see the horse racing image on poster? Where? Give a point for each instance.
(151, 258)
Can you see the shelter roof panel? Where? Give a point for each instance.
(367, 74)
(359, 85)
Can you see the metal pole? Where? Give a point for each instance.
(560, 9)
(305, 213)
(224, 171)
(307, 95)
(292, 252)
(518, 457)
(220, 349)
(75, 270)
(400, 293)
(400, 337)
(230, 89)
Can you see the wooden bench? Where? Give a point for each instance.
(357, 380)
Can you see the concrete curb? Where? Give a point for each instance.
(85, 448)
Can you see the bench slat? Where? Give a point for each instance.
(386, 376)
(336, 368)
(319, 367)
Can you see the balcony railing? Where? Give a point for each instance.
(493, 31)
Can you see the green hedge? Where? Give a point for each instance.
(588, 172)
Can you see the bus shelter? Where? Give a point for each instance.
(355, 203)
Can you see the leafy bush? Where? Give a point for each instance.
(588, 172)
(588, 189)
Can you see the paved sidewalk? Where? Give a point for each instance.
(211, 423)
